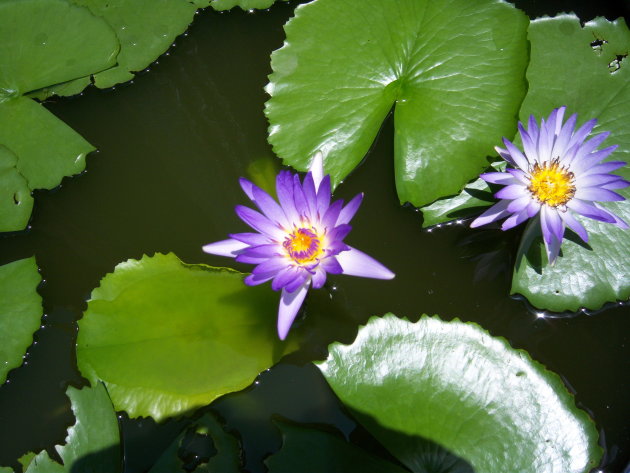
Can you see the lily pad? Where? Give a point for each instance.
(592, 59)
(310, 450)
(45, 42)
(20, 311)
(454, 70)
(454, 384)
(92, 443)
(228, 452)
(167, 337)
(145, 29)
(221, 5)
(47, 149)
(16, 202)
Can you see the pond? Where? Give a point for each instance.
(171, 146)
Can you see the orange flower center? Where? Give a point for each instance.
(303, 245)
(551, 184)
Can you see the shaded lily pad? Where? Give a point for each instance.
(145, 29)
(592, 60)
(453, 69)
(477, 194)
(167, 337)
(454, 384)
(16, 202)
(20, 311)
(228, 452)
(93, 442)
(45, 42)
(310, 450)
(47, 149)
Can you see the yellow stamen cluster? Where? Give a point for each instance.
(303, 245)
(551, 184)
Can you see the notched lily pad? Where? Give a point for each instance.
(20, 312)
(221, 5)
(586, 275)
(205, 434)
(45, 42)
(47, 149)
(145, 29)
(154, 325)
(454, 384)
(453, 69)
(93, 442)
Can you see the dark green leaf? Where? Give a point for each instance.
(145, 29)
(16, 201)
(586, 275)
(20, 311)
(221, 5)
(454, 70)
(45, 42)
(454, 384)
(309, 450)
(226, 459)
(47, 149)
(167, 337)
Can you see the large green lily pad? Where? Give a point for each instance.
(145, 29)
(45, 42)
(167, 337)
(20, 311)
(454, 384)
(599, 78)
(454, 70)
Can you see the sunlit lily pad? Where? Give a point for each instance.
(592, 60)
(45, 42)
(93, 442)
(454, 384)
(167, 337)
(145, 29)
(310, 450)
(228, 452)
(20, 311)
(454, 70)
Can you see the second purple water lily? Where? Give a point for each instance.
(299, 240)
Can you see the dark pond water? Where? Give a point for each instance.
(172, 145)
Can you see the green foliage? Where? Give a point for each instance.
(454, 70)
(145, 29)
(16, 202)
(585, 275)
(20, 312)
(155, 324)
(92, 443)
(222, 5)
(454, 384)
(226, 459)
(44, 42)
(309, 450)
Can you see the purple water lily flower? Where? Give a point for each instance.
(558, 175)
(298, 241)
